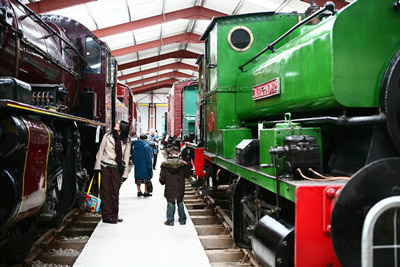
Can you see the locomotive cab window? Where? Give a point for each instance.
(93, 56)
(240, 38)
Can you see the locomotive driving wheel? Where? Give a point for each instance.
(389, 99)
(20, 240)
(368, 186)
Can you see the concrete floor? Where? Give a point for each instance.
(142, 239)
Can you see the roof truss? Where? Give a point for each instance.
(187, 37)
(44, 6)
(170, 75)
(339, 4)
(176, 54)
(195, 12)
(153, 86)
(173, 66)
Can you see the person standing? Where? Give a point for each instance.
(173, 173)
(141, 158)
(153, 143)
(112, 161)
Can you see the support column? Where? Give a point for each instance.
(151, 110)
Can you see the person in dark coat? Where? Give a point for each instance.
(112, 161)
(173, 173)
(153, 143)
(142, 159)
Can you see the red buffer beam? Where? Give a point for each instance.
(188, 13)
(173, 66)
(44, 6)
(153, 86)
(173, 74)
(180, 38)
(176, 54)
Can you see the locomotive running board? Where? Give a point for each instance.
(10, 104)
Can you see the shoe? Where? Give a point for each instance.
(113, 221)
(168, 223)
(139, 194)
(120, 219)
(147, 195)
(154, 168)
(182, 223)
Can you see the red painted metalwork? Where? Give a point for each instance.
(211, 122)
(339, 4)
(199, 162)
(125, 94)
(44, 6)
(187, 37)
(173, 74)
(176, 54)
(35, 172)
(313, 244)
(174, 66)
(196, 12)
(33, 68)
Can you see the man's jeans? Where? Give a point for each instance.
(171, 212)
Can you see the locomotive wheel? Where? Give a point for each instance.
(389, 99)
(21, 239)
(369, 185)
(56, 189)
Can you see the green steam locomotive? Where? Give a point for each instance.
(300, 116)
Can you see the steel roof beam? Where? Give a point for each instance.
(153, 86)
(44, 6)
(339, 4)
(176, 54)
(196, 12)
(173, 66)
(180, 38)
(173, 74)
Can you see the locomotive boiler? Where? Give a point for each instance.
(300, 118)
(57, 96)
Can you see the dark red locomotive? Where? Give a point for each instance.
(57, 96)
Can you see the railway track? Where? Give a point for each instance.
(214, 228)
(62, 245)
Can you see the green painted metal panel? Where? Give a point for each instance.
(304, 69)
(223, 62)
(335, 64)
(220, 104)
(287, 189)
(229, 139)
(265, 27)
(274, 137)
(366, 36)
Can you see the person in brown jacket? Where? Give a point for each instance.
(172, 174)
(113, 161)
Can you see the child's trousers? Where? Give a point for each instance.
(171, 212)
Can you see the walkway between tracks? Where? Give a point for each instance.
(142, 239)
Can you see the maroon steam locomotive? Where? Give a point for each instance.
(58, 94)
